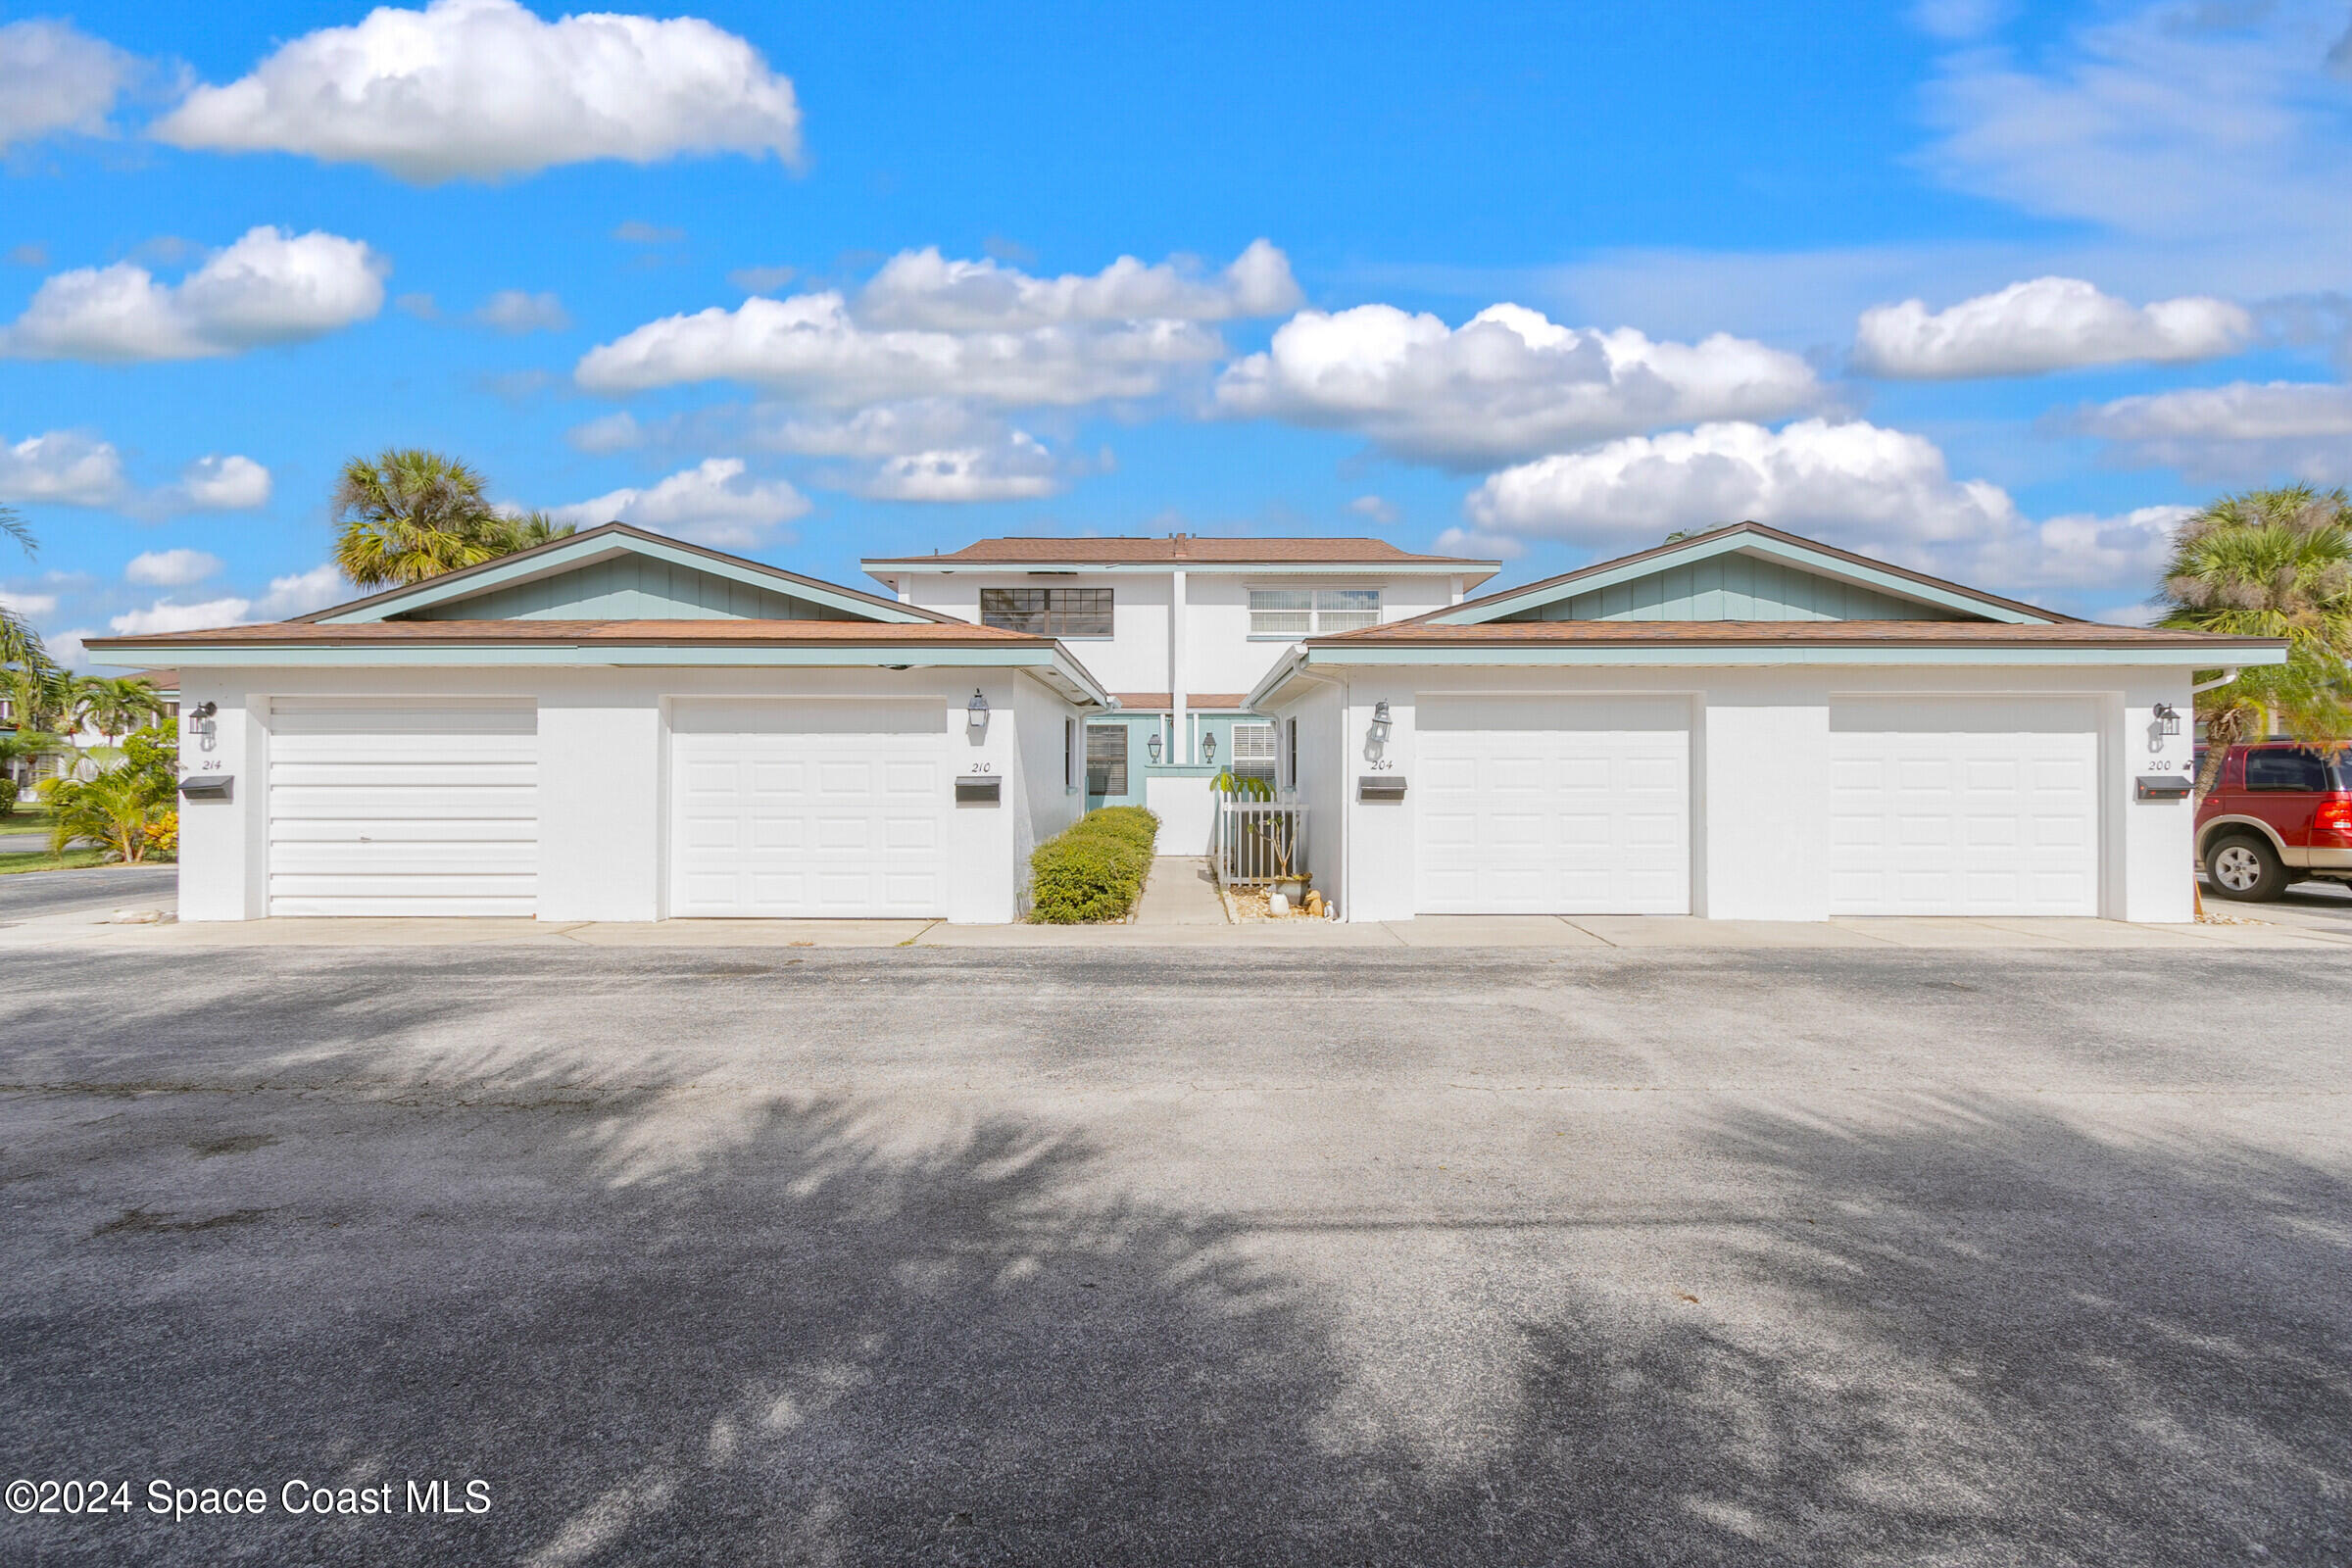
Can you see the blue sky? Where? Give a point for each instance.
(1996, 291)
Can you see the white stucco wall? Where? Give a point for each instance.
(1220, 654)
(604, 769)
(1760, 765)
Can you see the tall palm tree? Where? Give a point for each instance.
(532, 529)
(2271, 563)
(20, 644)
(114, 706)
(409, 515)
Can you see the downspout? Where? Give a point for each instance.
(2228, 673)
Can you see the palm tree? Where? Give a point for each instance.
(116, 809)
(2269, 564)
(20, 644)
(532, 529)
(20, 749)
(114, 706)
(409, 515)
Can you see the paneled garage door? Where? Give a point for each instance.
(809, 808)
(1964, 806)
(403, 806)
(1553, 805)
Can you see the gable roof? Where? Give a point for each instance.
(580, 550)
(1186, 550)
(934, 642)
(1756, 539)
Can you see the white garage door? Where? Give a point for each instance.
(403, 805)
(1553, 805)
(1964, 806)
(785, 808)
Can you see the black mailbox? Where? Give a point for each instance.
(2164, 787)
(207, 786)
(1380, 787)
(986, 788)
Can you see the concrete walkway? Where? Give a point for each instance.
(1180, 892)
(88, 928)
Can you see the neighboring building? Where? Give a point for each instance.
(1747, 724)
(618, 726)
(1179, 629)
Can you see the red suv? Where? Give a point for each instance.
(2279, 813)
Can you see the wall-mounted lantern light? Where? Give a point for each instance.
(1152, 746)
(2168, 720)
(1208, 746)
(975, 712)
(1380, 719)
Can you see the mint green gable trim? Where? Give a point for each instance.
(593, 550)
(1602, 654)
(1735, 586)
(1964, 605)
(629, 587)
(1051, 665)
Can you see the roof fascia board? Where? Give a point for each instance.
(587, 550)
(1752, 655)
(1651, 563)
(592, 656)
(1476, 570)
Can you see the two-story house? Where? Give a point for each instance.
(1179, 628)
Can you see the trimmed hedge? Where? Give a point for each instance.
(1094, 870)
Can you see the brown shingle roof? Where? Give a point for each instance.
(1178, 550)
(1798, 633)
(410, 633)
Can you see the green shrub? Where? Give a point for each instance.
(8, 795)
(1095, 870)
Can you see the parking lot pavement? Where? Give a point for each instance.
(1091, 1255)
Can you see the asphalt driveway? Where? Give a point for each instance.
(1111, 1257)
(24, 894)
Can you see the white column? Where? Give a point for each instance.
(1180, 741)
(1458, 592)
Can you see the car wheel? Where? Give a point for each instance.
(2243, 866)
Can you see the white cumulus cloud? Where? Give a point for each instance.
(230, 483)
(513, 310)
(483, 88)
(24, 603)
(64, 467)
(268, 288)
(171, 569)
(812, 348)
(2047, 323)
(53, 78)
(301, 592)
(715, 503)
(924, 289)
(1509, 383)
(1016, 469)
(2239, 433)
(1889, 493)
(165, 615)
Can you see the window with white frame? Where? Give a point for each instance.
(1312, 612)
(1253, 751)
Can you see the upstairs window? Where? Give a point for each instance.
(1047, 611)
(1253, 751)
(1312, 612)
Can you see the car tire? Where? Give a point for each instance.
(2243, 866)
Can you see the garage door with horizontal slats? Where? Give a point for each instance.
(1553, 806)
(383, 806)
(808, 808)
(1964, 806)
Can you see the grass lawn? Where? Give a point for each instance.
(43, 860)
